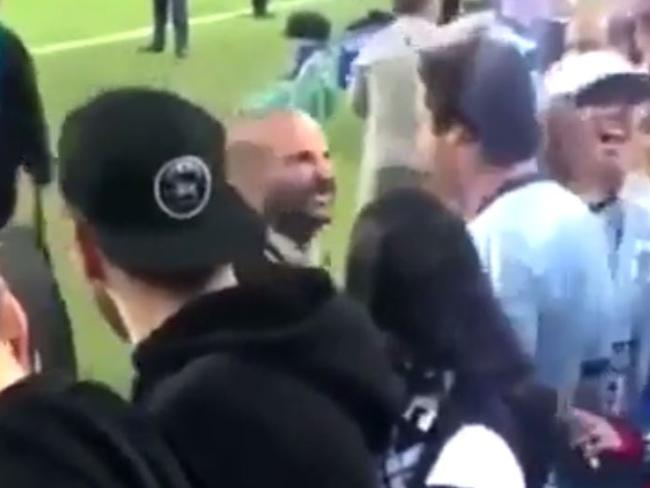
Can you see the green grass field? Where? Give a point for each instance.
(229, 61)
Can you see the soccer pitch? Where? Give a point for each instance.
(82, 47)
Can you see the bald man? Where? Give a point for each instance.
(281, 165)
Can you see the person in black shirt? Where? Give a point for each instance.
(261, 9)
(449, 339)
(23, 132)
(24, 255)
(180, 20)
(255, 374)
(56, 433)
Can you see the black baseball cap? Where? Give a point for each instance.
(146, 170)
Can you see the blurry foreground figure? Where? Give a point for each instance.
(543, 250)
(256, 376)
(280, 163)
(387, 92)
(413, 264)
(24, 255)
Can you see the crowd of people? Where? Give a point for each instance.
(492, 329)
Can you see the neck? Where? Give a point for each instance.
(487, 181)
(595, 190)
(145, 309)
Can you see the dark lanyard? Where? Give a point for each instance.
(602, 206)
(509, 186)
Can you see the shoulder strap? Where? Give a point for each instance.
(509, 186)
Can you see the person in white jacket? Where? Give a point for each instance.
(387, 93)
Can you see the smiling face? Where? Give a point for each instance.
(293, 177)
(302, 182)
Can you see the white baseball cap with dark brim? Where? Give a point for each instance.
(597, 77)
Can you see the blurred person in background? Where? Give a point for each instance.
(590, 136)
(636, 187)
(261, 9)
(310, 33)
(543, 250)
(387, 93)
(621, 34)
(180, 21)
(280, 163)
(639, 12)
(413, 264)
(537, 27)
(596, 93)
(255, 377)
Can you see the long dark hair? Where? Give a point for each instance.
(413, 264)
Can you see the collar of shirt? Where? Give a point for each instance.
(282, 249)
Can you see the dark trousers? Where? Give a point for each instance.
(179, 19)
(260, 7)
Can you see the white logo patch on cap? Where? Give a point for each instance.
(183, 187)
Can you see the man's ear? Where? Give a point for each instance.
(91, 256)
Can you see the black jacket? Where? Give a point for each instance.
(277, 382)
(55, 434)
(23, 133)
(31, 279)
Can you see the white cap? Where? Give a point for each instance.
(577, 72)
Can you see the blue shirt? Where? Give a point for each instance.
(546, 257)
(627, 229)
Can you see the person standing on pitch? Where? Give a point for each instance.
(181, 26)
(261, 9)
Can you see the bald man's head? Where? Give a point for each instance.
(280, 163)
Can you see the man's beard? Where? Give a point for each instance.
(301, 214)
(299, 226)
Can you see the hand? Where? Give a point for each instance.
(11, 371)
(596, 434)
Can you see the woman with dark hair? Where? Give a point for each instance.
(413, 264)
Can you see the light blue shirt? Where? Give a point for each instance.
(547, 259)
(627, 227)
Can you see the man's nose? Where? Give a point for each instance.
(325, 168)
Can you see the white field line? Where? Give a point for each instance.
(145, 32)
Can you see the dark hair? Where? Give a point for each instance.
(484, 85)
(409, 6)
(414, 266)
(307, 24)
(449, 11)
(374, 18)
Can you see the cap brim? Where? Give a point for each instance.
(223, 235)
(629, 88)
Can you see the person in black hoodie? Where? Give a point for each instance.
(256, 375)
(59, 434)
(24, 255)
(23, 131)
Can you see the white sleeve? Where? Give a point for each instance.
(476, 457)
